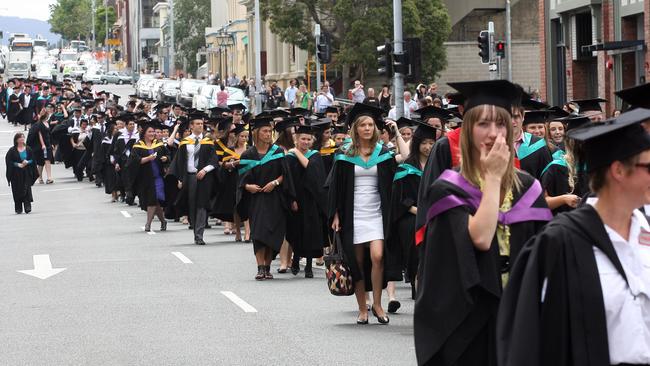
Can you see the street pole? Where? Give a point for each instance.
(172, 62)
(493, 66)
(93, 25)
(258, 58)
(318, 76)
(398, 79)
(108, 48)
(509, 38)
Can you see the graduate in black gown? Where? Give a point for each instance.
(404, 201)
(264, 194)
(21, 173)
(121, 151)
(577, 289)
(145, 172)
(363, 240)
(307, 227)
(109, 176)
(478, 221)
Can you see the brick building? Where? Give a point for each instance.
(593, 48)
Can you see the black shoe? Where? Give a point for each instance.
(28, 207)
(190, 227)
(260, 273)
(309, 273)
(382, 320)
(147, 227)
(295, 267)
(393, 306)
(267, 273)
(362, 321)
(208, 226)
(199, 242)
(163, 226)
(282, 270)
(18, 207)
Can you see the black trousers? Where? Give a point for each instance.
(197, 216)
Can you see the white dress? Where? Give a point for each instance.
(368, 224)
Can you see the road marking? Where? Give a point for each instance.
(239, 302)
(125, 214)
(182, 257)
(42, 267)
(4, 194)
(148, 232)
(64, 189)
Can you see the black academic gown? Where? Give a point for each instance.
(109, 175)
(21, 180)
(534, 162)
(459, 286)
(267, 212)
(401, 244)
(96, 159)
(340, 184)
(307, 228)
(223, 207)
(568, 326)
(121, 151)
(142, 177)
(13, 109)
(26, 116)
(205, 186)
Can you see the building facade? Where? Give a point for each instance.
(161, 12)
(227, 39)
(593, 48)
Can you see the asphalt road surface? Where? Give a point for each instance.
(97, 290)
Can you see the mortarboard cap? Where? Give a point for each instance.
(556, 113)
(219, 110)
(535, 117)
(237, 107)
(360, 109)
(332, 109)
(340, 130)
(306, 129)
(586, 105)
(533, 105)
(321, 123)
(223, 124)
(285, 123)
(456, 99)
(239, 128)
(434, 112)
(425, 131)
(573, 122)
(635, 97)
(405, 122)
(500, 93)
(299, 111)
(259, 122)
(614, 139)
(196, 115)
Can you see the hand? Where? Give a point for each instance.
(335, 222)
(571, 200)
(43, 147)
(234, 162)
(269, 187)
(164, 159)
(21, 165)
(294, 206)
(253, 188)
(392, 125)
(495, 161)
(117, 167)
(201, 174)
(180, 185)
(292, 150)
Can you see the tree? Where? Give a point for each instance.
(191, 17)
(357, 27)
(71, 19)
(100, 22)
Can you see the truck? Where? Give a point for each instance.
(19, 61)
(67, 58)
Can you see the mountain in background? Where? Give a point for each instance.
(30, 26)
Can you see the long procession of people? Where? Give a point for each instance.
(520, 227)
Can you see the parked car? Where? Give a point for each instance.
(141, 82)
(145, 87)
(168, 91)
(155, 88)
(94, 76)
(77, 71)
(206, 98)
(114, 77)
(188, 88)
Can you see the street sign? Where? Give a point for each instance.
(114, 42)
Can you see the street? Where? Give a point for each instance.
(115, 295)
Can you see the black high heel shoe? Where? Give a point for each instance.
(295, 267)
(382, 320)
(147, 227)
(362, 321)
(163, 225)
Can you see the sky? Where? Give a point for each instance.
(34, 9)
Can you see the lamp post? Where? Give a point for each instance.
(224, 40)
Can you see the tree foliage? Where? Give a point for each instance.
(191, 17)
(100, 22)
(71, 19)
(357, 27)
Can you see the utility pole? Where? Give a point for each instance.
(493, 67)
(509, 39)
(107, 55)
(93, 25)
(258, 58)
(398, 79)
(318, 76)
(172, 62)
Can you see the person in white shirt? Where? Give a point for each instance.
(579, 293)
(358, 95)
(323, 100)
(409, 105)
(290, 94)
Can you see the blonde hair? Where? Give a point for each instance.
(469, 168)
(355, 145)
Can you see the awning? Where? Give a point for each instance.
(616, 47)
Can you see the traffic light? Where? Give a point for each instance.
(413, 60)
(484, 46)
(500, 48)
(385, 60)
(324, 49)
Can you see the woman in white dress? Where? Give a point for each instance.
(359, 202)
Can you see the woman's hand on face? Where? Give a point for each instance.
(495, 160)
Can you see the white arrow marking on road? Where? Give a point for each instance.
(182, 257)
(125, 214)
(239, 302)
(42, 267)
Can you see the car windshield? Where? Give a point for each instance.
(235, 93)
(171, 85)
(68, 57)
(18, 66)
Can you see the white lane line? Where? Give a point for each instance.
(239, 302)
(64, 189)
(182, 257)
(125, 214)
(4, 194)
(148, 232)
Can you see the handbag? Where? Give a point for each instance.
(337, 272)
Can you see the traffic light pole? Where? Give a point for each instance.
(398, 79)
(317, 37)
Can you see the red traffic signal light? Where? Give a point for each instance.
(500, 48)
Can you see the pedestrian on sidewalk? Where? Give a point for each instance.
(21, 173)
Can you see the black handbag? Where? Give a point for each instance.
(337, 272)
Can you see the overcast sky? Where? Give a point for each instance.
(34, 9)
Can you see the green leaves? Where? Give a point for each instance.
(191, 17)
(72, 19)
